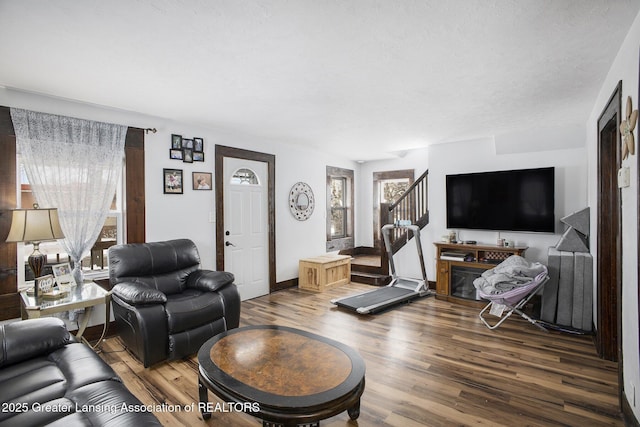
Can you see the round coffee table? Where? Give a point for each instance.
(282, 375)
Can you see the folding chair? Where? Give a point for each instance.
(513, 300)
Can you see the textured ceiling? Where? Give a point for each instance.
(363, 78)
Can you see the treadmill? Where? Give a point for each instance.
(399, 290)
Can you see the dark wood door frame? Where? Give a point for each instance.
(608, 336)
(220, 153)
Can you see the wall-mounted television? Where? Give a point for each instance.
(513, 200)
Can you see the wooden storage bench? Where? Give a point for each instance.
(323, 272)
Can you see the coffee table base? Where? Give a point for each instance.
(272, 418)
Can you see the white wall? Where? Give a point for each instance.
(187, 215)
(481, 155)
(171, 216)
(625, 68)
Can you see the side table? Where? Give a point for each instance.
(86, 295)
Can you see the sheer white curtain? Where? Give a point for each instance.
(73, 165)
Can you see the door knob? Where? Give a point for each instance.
(229, 244)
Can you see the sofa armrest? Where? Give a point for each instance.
(31, 338)
(208, 280)
(136, 294)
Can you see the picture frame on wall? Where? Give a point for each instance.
(198, 156)
(187, 143)
(176, 141)
(187, 155)
(175, 154)
(198, 144)
(202, 180)
(172, 180)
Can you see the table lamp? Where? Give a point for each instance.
(34, 226)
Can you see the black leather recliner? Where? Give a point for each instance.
(165, 306)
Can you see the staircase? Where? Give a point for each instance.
(371, 265)
(368, 266)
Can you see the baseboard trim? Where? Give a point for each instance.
(630, 419)
(291, 283)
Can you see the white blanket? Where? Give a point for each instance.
(513, 272)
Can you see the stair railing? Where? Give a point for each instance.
(413, 205)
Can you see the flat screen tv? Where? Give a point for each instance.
(514, 200)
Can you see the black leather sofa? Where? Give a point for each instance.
(47, 378)
(165, 306)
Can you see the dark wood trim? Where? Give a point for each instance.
(286, 284)
(10, 305)
(134, 182)
(9, 302)
(220, 153)
(608, 337)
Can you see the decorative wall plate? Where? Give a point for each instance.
(626, 129)
(301, 201)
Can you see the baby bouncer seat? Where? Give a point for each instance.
(508, 287)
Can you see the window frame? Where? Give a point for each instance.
(346, 241)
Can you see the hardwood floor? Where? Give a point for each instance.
(429, 363)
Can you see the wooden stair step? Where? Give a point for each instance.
(370, 278)
(366, 260)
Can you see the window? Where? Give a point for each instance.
(392, 189)
(339, 209)
(244, 176)
(111, 233)
(388, 187)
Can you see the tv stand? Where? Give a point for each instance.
(457, 264)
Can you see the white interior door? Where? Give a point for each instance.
(246, 252)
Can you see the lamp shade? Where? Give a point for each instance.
(34, 225)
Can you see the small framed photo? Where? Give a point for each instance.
(62, 272)
(198, 144)
(187, 155)
(175, 154)
(172, 179)
(45, 283)
(187, 143)
(202, 180)
(176, 141)
(198, 156)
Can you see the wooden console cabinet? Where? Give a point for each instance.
(476, 260)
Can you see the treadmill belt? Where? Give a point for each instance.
(378, 299)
